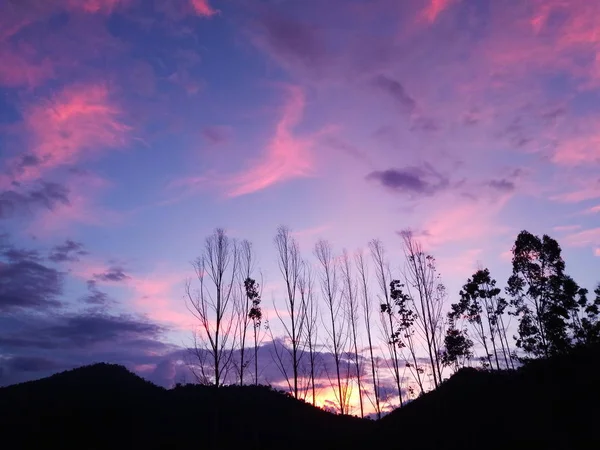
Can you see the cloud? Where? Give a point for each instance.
(96, 6)
(584, 238)
(45, 195)
(77, 122)
(113, 274)
(396, 91)
(287, 156)
(593, 210)
(25, 282)
(35, 346)
(435, 8)
(502, 185)
(597, 252)
(414, 181)
(290, 41)
(203, 8)
(67, 252)
(216, 134)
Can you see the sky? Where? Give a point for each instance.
(130, 129)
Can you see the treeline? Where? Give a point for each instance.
(353, 322)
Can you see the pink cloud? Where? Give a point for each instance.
(435, 8)
(584, 238)
(563, 228)
(597, 252)
(582, 149)
(19, 67)
(96, 6)
(468, 221)
(78, 121)
(287, 156)
(593, 210)
(203, 8)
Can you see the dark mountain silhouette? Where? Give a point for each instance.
(551, 404)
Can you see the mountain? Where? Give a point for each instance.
(552, 404)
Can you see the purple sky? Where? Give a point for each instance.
(130, 129)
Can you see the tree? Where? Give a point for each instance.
(213, 304)
(246, 264)
(403, 335)
(367, 307)
(349, 294)
(306, 288)
(539, 298)
(256, 316)
(336, 330)
(382, 272)
(424, 285)
(482, 306)
(457, 346)
(586, 320)
(290, 263)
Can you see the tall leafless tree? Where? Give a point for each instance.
(426, 289)
(245, 303)
(382, 272)
(350, 296)
(213, 304)
(306, 289)
(367, 306)
(290, 265)
(336, 330)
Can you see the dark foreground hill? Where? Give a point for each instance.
(552, 404)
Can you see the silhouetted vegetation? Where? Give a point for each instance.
(552, 400)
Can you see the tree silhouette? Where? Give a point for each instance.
(213, 305)
(540, 301)
(255, 315)
(457, 347)
(482, 306)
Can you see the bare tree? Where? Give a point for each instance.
(429, 295)
(306, 289)
(290, 264)
(382, 272)
(366, 306)
(246, 269)
(213, 304)
(336, 330)
(349, 294)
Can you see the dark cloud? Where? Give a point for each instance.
(414, 181)
(502, 185)
(35, 346)
(114, 273)
(396, 90)
(46, 195)
(25, 282)
(69, 251)
(216, 134)
(95, 296)
(292, 39)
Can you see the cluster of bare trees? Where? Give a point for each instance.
(355, 325)
(373, 331)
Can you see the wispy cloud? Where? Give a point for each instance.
(287, 156)
(436, 7)
(77, 122)
(203, 8)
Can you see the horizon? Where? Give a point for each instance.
(131, 129)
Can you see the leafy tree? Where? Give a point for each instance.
(539, 298)
(586, 322)
(482, 306)
(404, 334)
(457, 347)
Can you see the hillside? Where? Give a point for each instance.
(552, 404)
